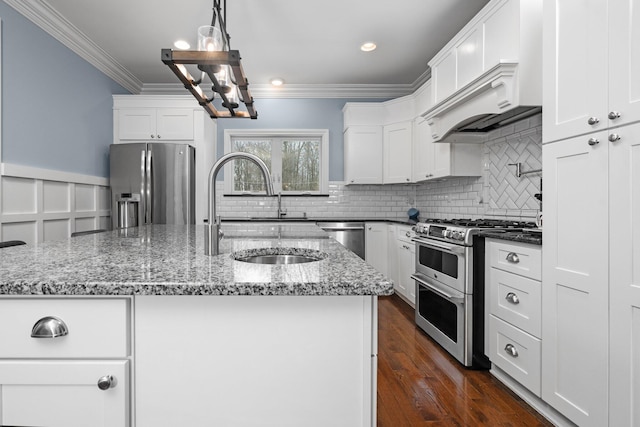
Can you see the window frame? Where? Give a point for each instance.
(322, 134)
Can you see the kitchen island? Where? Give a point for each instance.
(191, 339)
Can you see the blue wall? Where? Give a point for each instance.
(57, 109)
(298, 114)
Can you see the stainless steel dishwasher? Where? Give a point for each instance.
(349, 234)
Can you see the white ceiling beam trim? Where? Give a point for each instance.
(49, 20)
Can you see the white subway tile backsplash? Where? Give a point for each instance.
(497, 194)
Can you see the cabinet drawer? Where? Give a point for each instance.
(515, 352)
(518, 258)
(98, 328)
(404, 233)
(516, 300)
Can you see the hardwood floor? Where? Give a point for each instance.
(419, 384)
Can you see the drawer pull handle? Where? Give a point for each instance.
(49, 327)
(511, 350)
(107, 382)
(512, 298)
(513, 257)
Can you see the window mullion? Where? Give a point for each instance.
(276, 164)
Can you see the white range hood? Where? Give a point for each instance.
(474, 89)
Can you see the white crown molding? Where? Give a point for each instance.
(264, 91)
(56, 25)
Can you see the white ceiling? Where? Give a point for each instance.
(302, 41)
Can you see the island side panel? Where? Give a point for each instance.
(255, 360)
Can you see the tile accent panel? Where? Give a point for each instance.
(496, 194)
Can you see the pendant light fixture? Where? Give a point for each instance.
(220, 64)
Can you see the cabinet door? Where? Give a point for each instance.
(63, 394)
(575, 308)
(375, 241)
(175, 124)
(136, 124)
(624, 261)
(363, 155)
(406, 267)
(575, 67)
(423, 150)
(397, 157)
(624, 61)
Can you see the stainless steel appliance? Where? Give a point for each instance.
(152, 183)
(349, 234)
(449, 281)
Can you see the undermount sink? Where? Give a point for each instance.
(278, 256)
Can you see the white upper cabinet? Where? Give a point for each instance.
(397, 159)
(160, 124)
(503, 31)
(591, 77)
(492, 66)
(363, 155)
(575, 72)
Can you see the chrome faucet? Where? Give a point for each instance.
(212, 231)
(281, 212)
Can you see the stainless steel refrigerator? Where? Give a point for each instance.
(152, 183)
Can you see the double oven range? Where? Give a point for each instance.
(449, 278)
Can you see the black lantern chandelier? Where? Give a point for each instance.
(214, 59)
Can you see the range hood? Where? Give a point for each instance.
(486, 103)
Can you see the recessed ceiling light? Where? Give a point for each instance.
(277, 81)
(368, 47)
(181, 44)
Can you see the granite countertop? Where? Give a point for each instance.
(404, 221)
(533, 237)
(170, 260)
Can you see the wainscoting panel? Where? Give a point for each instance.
(39, 205)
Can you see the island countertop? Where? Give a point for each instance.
(170, 260)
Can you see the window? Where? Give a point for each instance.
(297, 159)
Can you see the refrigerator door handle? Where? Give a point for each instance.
(143, 182)
(149, 219)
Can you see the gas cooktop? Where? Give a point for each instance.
(461, 231)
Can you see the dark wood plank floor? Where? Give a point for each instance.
(419, 384)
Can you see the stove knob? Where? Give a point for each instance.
(446, 233)
(459, 235)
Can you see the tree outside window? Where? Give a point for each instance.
(297, 161)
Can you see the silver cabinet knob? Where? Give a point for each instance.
(614, 137)
(614, 115)
(152, 136)
(593, 121)
(159, 136)
(106, 382)
(511, 350)
(512, 298)
(408, 180)
(593, 141)
(49, 327)
(513, 257)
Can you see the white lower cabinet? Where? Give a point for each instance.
(75, 380)
(63, 393)
(406, 255)
(255, 361)
(375, 246)
(513, 287)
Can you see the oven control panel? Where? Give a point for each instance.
(442, 232)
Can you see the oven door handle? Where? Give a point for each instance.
(452, 298)
(430, 244)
